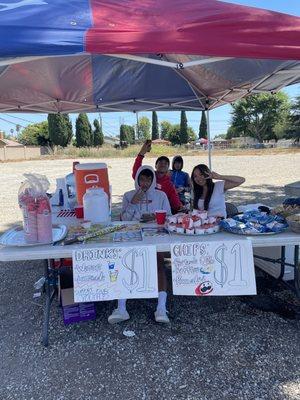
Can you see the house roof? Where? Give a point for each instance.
(161, 141)
(11, 143)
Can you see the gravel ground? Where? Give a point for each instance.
(214, 348)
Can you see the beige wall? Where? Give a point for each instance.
(20, 153)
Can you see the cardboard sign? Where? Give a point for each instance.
(213, 268)
(114, 273)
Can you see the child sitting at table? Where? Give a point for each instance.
(142, 203)
(209, 195)
(180, 179)
(163, 179)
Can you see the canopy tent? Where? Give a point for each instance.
(117, 55)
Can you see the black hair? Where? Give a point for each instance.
(146, 172)
(162, 158)
(177, 159)
(198, 190)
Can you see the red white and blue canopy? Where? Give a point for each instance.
(133, 55)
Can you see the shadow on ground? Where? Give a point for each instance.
(269, 195)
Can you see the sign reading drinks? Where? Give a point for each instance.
(213, 268)
(114, 273)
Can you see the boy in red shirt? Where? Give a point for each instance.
(163, 180)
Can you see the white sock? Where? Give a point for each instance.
(162, 299)
(122, 305)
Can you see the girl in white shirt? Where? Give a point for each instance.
(209, 195)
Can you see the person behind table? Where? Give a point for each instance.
(163, 180)
(145, 199)
(210, 195)
(180, 179)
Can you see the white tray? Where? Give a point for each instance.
(15, 236)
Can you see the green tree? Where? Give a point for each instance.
(18, 129)
(60, 129)
(155, 133)
(98, 134)
(123, 133)
(69, 128)
(130, 133)
(144, 128)
(35, 135)
(165, 129)
(127, 134)
(183, 128)
(191, 134)
(293, 127)
(221, 136)
(175, 135)
(203, 126)
(84, 137)
(258, 114)
(231, 132)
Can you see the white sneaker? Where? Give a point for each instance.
(118, 316)
(161, 316)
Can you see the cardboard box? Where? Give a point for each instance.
(73, 312)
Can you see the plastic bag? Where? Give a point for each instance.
(35, 205)
(254, 222)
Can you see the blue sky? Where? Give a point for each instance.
(219, 118)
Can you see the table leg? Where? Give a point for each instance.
(282, 263)
(50, 292)
(297, 271)
(47, 305)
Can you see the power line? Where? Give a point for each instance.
(21, 119)
(10, 122)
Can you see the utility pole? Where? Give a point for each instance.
(100, 120)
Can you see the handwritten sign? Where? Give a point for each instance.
(213, 268)
(114, 273)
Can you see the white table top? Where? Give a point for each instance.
(161, 243)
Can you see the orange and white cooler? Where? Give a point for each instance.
(91, 175)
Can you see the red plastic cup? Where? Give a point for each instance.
(79, 211)
(160, 216)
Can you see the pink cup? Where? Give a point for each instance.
(160, 216)
(79, 211)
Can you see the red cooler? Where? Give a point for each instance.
(90, 175)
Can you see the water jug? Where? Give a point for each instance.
(95, 205)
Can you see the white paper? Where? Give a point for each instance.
(213, 268)
(115, 273)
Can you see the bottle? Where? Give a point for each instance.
(44, 221)
(95, 205)
(60, 197)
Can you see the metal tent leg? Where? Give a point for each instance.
(50, 292)
(297, 271)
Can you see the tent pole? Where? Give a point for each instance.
(137, 125)
(208, 138)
